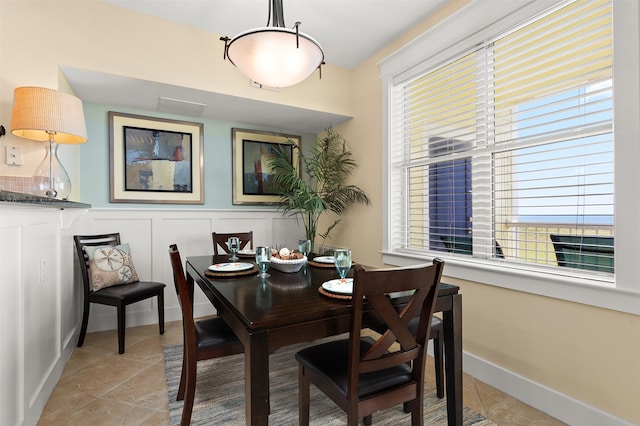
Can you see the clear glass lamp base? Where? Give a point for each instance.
(50, 179)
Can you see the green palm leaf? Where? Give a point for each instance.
(320, 186)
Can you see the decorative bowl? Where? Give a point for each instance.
(288, 266)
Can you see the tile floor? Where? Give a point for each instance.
(130, 389)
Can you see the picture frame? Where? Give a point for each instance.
(155, 160)
(250, 150)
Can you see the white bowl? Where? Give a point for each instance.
(288, 266)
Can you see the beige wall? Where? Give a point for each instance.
(588, 353)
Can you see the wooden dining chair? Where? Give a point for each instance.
(363, 374)
(119, 294)
(220, 240)
(204, 339)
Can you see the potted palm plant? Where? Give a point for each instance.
(321, 186)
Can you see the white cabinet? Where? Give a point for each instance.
(39, 310)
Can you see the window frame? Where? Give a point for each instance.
(478, 22)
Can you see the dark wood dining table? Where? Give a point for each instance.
(287, 308)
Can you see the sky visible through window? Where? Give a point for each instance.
(569, 179)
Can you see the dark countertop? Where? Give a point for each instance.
(34, 200)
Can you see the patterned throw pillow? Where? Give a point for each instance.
(110, 265)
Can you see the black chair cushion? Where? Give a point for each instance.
(142, 289)
(334, 367)
(212, 332)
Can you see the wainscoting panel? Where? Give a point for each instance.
(42, 312)
(150, 232)
(11, 324)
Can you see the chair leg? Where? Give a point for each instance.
(161, 311)
(352, 418)
(303, 397)
(414, 407)
(416, 418)
(183, 374)
(190, 392)
(438, 356)
(121, 326)
(85, 320)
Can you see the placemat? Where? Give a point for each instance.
(219, 274)
(324, 292)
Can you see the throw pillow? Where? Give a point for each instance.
(110, 265)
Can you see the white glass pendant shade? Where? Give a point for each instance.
(50, 179)
(272, 56)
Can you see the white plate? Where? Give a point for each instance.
(324, 259)
(230, 267)
(339, 286)
(247, 252)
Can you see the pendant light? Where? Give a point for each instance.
(274, 56)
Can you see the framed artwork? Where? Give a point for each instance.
(155, 160)
(252, 151)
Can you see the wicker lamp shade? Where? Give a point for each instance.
(39, 112)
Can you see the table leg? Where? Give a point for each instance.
(453, 359)
(256, 387)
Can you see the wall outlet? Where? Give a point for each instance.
(14, 156)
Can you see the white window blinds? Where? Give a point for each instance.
(506, 151)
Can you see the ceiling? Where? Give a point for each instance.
(349, 31)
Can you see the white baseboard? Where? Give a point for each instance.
(545, 399)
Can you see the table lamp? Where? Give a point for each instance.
(51, 116)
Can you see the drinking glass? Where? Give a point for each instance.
(263, 259)
(234, 245)
(304, 246)
(342, 259)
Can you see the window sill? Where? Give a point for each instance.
(572, 289)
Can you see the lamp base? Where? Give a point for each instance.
(50, 179)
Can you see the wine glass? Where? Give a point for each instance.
(342, 258)
(304, 246)
(263, 259)
(234, 245)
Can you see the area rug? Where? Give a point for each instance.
(219, 398)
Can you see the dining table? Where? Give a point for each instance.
(289, 308)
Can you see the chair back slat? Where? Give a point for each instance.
(397, 345)
(220, 241)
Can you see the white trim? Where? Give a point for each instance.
(543, 284)
(543, 398)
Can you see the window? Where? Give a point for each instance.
(493, 152)
(505, 157)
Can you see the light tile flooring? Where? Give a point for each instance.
(100, 387)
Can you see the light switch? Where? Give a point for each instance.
(14, 156)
